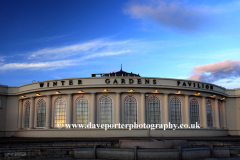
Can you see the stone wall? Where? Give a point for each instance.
(112, 150)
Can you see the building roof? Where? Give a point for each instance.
(119, 73)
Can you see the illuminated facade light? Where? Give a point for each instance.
(23, 96)
(197, 94)
(131, 90)
(222, 98)
(213, 96)
(38, 94)
(58, 92)
(105, 90)
(80, 91)
(156, 91)
(178, 92)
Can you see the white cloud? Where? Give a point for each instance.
(69, 55)
(105, 54)
(58, 64)
(172, 14)
(79, 49)
(179, 15)
(229, 69)
(40, 65)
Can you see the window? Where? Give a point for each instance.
(105, 110)
(130, 110)
(209, 113)
(0, 103)
(176, 116)
(27, 114)
(60, 112)
(41, 113)
(82, 110)
(153, 110)
(219, 113)
(194, 111)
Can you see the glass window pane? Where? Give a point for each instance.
(41, 113)
(153, 110)
(82, 110)
(176, 115)
(130, 110)
(105, 110)
(194, 111)
(27, 114)
(60, 112)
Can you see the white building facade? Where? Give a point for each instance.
(42, 109)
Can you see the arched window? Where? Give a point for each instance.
(219, 113)
(194, 111)
(60, 112)
(209, 113)
(27, 114)
(41, 113)
(105, 110)
(176, 115)
(130, 110)
(154, 111)
(82, 110)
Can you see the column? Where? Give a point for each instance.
(224, 122)
(204, 113)
(52, 121)
(23, 113)
(31, 120)
(35, 116)
(69, 110)
(117, 109)
(216, 114)
(93, 110)
(20, 113)
(48, 112)
(165, 113)
(142, 113)
(186, 110)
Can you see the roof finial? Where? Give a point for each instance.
(121, 67)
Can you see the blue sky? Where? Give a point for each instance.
(43, 40)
